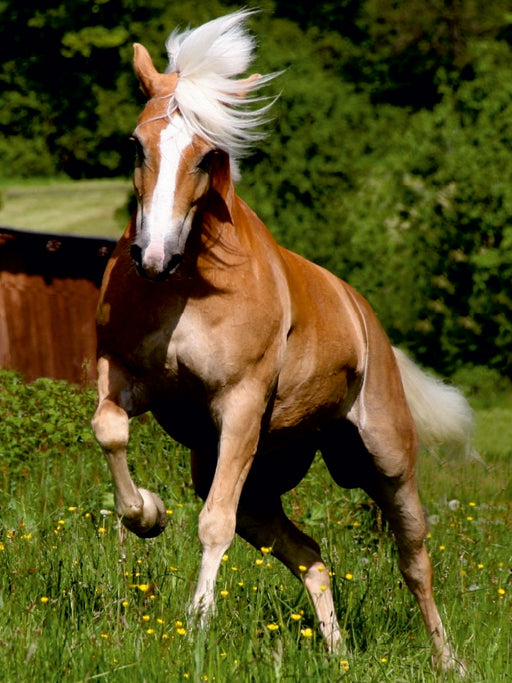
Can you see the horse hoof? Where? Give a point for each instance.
(153, 518)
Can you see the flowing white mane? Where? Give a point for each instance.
(213, 103)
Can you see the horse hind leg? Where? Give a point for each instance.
(140, 510)
(382, 462)
(400, 504)
(264, 524)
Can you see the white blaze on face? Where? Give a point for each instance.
(162, 227)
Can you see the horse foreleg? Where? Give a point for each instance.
(140, 510)
(401, 505)
(240, 426)
(264, 524)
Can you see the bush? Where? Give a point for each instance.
(483, 386)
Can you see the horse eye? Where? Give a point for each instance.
(206, 162)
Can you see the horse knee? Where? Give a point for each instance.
(110, 426)
(216, 527)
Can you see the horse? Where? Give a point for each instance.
(248, 354)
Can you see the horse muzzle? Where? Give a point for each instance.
(153, 268)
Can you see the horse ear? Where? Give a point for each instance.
(247, 82)
(221, 173)
(144, 69)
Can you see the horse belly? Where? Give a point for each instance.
(303, 407)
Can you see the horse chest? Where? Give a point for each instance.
(191, 350)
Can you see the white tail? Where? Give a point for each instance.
(442, 415)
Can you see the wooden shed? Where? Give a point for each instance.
(49, 286)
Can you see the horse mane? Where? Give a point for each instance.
(213, 103)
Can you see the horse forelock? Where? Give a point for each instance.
(215, 104)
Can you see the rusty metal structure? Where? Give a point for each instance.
(49, 286)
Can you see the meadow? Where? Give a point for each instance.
(86, 207)
(81, 601)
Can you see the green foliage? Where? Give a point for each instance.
(483, 386)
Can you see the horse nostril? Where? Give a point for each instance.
(174, 263)
(136, 254)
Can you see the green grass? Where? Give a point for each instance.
(86, 207)
(79, 604)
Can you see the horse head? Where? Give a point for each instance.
(187, 139)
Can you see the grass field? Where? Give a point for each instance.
(86, 207)
(79, 604)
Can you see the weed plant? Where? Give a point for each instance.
(80, 600)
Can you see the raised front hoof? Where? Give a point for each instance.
(153, 519)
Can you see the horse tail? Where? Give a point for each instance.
(443, 417)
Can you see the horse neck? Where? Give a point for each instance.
(224, 231)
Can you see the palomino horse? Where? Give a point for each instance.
(251, 356)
